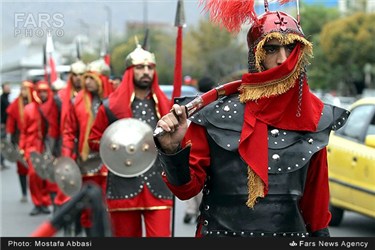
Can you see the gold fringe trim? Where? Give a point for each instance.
(260, 53)
(255, 188)
(85, 147)
(277, 86)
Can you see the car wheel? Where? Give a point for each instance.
(337, 215)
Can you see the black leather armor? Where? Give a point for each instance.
(223, 209)
(117, 187)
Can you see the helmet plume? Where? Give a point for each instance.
(231, 14)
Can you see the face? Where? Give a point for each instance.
(24, 92)
(91, 85)
(116, 82)
(43, 95)
(76, 81)
(6, 88)
(276, 53)
(143, 75)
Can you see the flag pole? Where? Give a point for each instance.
(179, 23)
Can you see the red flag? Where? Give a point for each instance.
(107, 59)
(179, 22)
(53, 70)
(177, 81)
(51, 61)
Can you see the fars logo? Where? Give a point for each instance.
(293, 244)
(38, 24)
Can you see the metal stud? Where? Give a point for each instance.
(275, 132)
(276, 157)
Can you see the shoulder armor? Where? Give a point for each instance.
(223, 120)
(333, 117)
(291, 150)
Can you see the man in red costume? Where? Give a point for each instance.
(258, 154)
(14, 125)
(78, 123)
(39, 134)
(64, 100)
(68, 94)
(129, 199)
(64, 97)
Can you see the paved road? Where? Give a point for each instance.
(16, 222)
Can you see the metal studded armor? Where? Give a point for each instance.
(289, 154)
(143, 110)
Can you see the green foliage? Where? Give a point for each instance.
(348, 43)
(207, 50)
(118, 56)
(213, 51)
(314, 17)
(342, 46)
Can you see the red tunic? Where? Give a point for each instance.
(314, 202)
(120, 103)
(15, 122)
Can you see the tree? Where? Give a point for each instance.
(313, 19)
(159, 42)
(211, 50)
(348, 46)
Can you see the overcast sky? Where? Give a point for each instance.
(26, 18)
(69, 18)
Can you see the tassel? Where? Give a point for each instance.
(255, 188)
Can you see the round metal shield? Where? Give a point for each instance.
(127, 147)
(40, 164)
(8, 151)
(67, 175)
(50, 170)
(92, 164)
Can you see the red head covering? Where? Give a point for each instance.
(273, 96)
(83, 108)
(66, 94)
(48, 108)
(16, 108)
(285, 111)
(120, 100)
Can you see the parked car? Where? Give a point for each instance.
(351, 159)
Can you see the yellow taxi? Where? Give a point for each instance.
(351, 161)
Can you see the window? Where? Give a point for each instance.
(357, 124)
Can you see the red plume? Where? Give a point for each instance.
(232, 13)
(284, 1)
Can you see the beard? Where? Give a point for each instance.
(143, 83)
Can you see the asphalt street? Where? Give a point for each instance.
(16, 221)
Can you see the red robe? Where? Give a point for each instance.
(78, 123)
(65, 95)
(120, 103)
(15, 121)
(32, 140)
